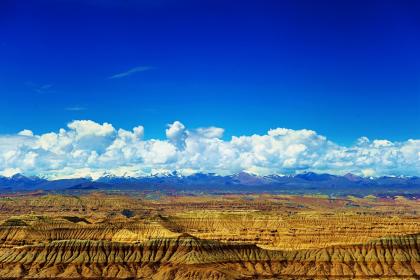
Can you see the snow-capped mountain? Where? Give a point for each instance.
(240, 182)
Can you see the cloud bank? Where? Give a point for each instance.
(86, 148)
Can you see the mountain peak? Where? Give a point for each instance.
(352, 177)
(18, 176)
(312, 176)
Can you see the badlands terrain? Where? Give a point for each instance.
(101, 235)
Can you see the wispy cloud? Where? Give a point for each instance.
(76, 108)
(43, 88)
(131, 72)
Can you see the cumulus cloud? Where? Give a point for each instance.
(177, 134)
(8, 172)
(210, 132)
(26, 132)
(87, 148)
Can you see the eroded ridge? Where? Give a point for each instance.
(272, 237)
(172, 258)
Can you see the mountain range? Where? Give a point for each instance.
(243, 182)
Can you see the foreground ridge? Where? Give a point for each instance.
(187, 257)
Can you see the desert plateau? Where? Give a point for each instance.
(99, 235)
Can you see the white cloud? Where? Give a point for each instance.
(210, 132)
(368, 172)
(89, 128)
(87, 148)
(26, 132)
(8, 172)
(177, 134)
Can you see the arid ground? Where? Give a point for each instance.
(131, 236)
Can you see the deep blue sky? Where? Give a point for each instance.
(343, 68)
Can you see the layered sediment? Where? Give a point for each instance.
(186, 257)
(154, 240)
